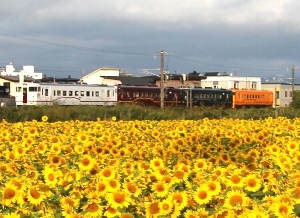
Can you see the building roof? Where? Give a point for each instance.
(17, 78)
(99, 69)
(129, 80)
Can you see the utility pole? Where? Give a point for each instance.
(293, 81)
(162, 76)
(162, 80)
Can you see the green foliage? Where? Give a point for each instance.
(296, 99)
(135, 112)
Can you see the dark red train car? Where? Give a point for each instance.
(150, 95)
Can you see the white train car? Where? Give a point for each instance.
(70, 94)
(26, 94)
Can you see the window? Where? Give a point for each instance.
(88, 93)
(285, 94)
(236, 84)
(64, 93)
(76, 93)
(70, 93)
(253, 85)
(58, 92)
(32, 89)
(291, 94)
(82, 93)
(108, 93)
(97, 94)
(18, 89)
(54, 93)
(277, 94)
(46, 92)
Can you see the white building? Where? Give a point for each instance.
(230, 82)
(99, 76)
(28, 71)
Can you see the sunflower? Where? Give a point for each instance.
(126, 215)
(107, 174)
(282, 209)
(10, 194)
(86, 163)
(235, 179)
(113, 185)
(44, 118)
(79, 149)
(214, 187)
(69, 202)
(51, 176)
(156, 163)
(292, 146)
(35, 196)
(295, 193)
(160, 189)
(12, 215)
(114, 118)
(118, 200)
(132, 189)
(252, 183)
(200, 164)
(165, 207)
(93, 209)
(111, 212)
(152, 209)
(236, 199)
(101, 188)
(180, 199)
(202, 195)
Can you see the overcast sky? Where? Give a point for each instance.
(72, 37)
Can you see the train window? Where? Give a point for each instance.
(18, 89)
(88, 93)
(136, 94)
(150, 95)
(146, 94)
(277, 94)
(82, 93)
(227, 96)
(54, 93)
(32, 89)
(76, 93)
(97, 94)
(285, 94)
(58, 93)
(108, 93)
(142, 94)
(70, 93)
(39, 89)
(64, 93)
(46, 92)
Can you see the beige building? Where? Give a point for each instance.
(282, 92)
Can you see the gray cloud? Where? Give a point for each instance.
(66, 37)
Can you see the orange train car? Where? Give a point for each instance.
(252, 98)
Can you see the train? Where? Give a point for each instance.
(5, 98)
(67, 94)
(111, 95)
(195, 97)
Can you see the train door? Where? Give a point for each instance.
(24, 95)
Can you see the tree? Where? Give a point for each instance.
(296, 99)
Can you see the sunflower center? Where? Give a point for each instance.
(283, 209)
(119, 198)
(35, 194)
(153, 208)
(165, 206)
(178, 199)
(236, 200)
(107, 173)
(9, 193)
(179, 174)
(51, 177)
(131, 188)
(93, 207)
(251, 183)
(202, 194)
(160, 188)
(235, 179)
(85, 162)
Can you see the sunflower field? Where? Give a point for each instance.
(133, 169)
